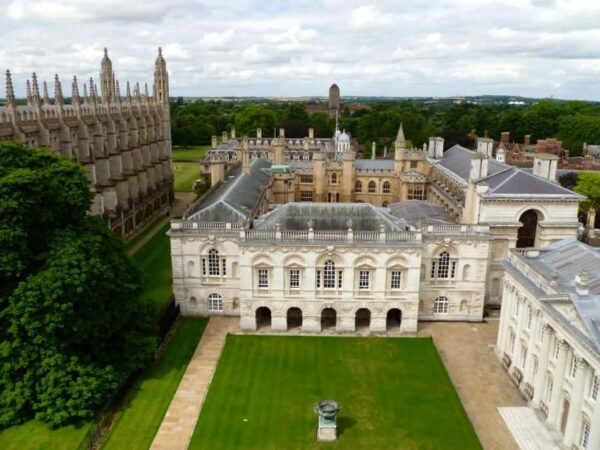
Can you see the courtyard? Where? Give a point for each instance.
(395, 393)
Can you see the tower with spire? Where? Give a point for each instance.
(161, 78)
(107, 79)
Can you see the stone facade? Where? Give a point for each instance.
(123, 143)
(548, 339)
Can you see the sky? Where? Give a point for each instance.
(536, 48)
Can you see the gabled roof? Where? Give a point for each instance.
(236, 197)
(503, 180)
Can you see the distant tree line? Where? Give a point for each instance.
(573, 122)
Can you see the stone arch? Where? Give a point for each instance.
(393, 319)
(372, 187)
(358, 186)
(386, 187)
(528, 231)
(263, 318)
(294, 318)
(362, 319)
(328, 319)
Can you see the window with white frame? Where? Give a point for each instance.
(573, 366)
(215, 302)
(416, 192)
(585, 434)
(396, 280)
(440, 306)
(443, 266)
(328, 277)
(523, 356)
(595, 387)
(511, 345)
(294, 279)
(549, 387)
(215, 263)
(263, 278)
(364, 279)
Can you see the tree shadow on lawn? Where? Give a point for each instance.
(344, 423)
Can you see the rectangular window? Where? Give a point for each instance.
(414, 164)
(294, 279)
(573, 368)
(585, 434)
(535, 365)
(523, 357)
(340, 273)
(328, 278)
(595, 387)
(215, 303)
(556, 348)
(549, 387)
(529, 317)
(203, 266)
(224, 266)
(512, 343)
(415, 193)
(396, 279)
(306, 179)
(364, 279)
(433, 269)
(318, 278)
(263, 278)
(306, 196)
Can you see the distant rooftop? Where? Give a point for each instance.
(419, 211)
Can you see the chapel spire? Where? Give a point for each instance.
(46, 96)
(10, 91)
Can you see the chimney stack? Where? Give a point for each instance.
(485, 146)
(232, 132)
(436, 147)
(245, 157)
(373, 150)
(479, 167)
(213, 142)
(225, 139)
(311, 133)
(282, 132)
(505, 137)
(527, 139)
(259, 133)
(582, 283)
(545, 165)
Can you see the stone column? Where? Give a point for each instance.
(533, 334)
(576, 400)
(538, 382)
(504, 321)
(558, 380)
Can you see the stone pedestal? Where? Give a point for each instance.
(326, 432)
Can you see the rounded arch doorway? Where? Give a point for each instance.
(294, 318)
(328, 319)
(527, 233)
(263, 318)
(362, 321)
(393, 320)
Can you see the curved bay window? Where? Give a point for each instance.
(214, 265)
(443, 267)
(329, 277)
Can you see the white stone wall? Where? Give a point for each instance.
(542, 350)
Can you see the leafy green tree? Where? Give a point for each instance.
(588, 184)
(71, 325)
(251, 117)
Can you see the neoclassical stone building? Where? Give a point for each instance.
(549, 336)
(299, 233)
(123, 143)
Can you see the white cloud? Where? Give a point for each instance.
(375, 47)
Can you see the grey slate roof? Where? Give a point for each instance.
(235, 198)
(329, 217)
(374, 164)
(564, 260)
(503, 180)
(415, 211)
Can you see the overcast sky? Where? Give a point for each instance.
(533, 48)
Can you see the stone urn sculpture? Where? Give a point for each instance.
(327, 411)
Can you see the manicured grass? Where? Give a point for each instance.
(34, 435)
(185, 175)
(132, 243)
(147, 402)
(194, 153)
(395, 394)
(154, 260)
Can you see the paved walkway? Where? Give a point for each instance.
(481, 383)
(182, 201)
(178, 425)
(527, 429)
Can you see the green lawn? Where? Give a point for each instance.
(34, 435)
(194, 153)
(395, 394)
(185, 175)
(147, 402)
(154, 260)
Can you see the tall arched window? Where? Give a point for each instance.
(386, 187)
(358, 186)
(215, 302)
(329, 275)
(372, 186)
(334, 178)
(213, 262)
(443, 267)
(441, 305)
